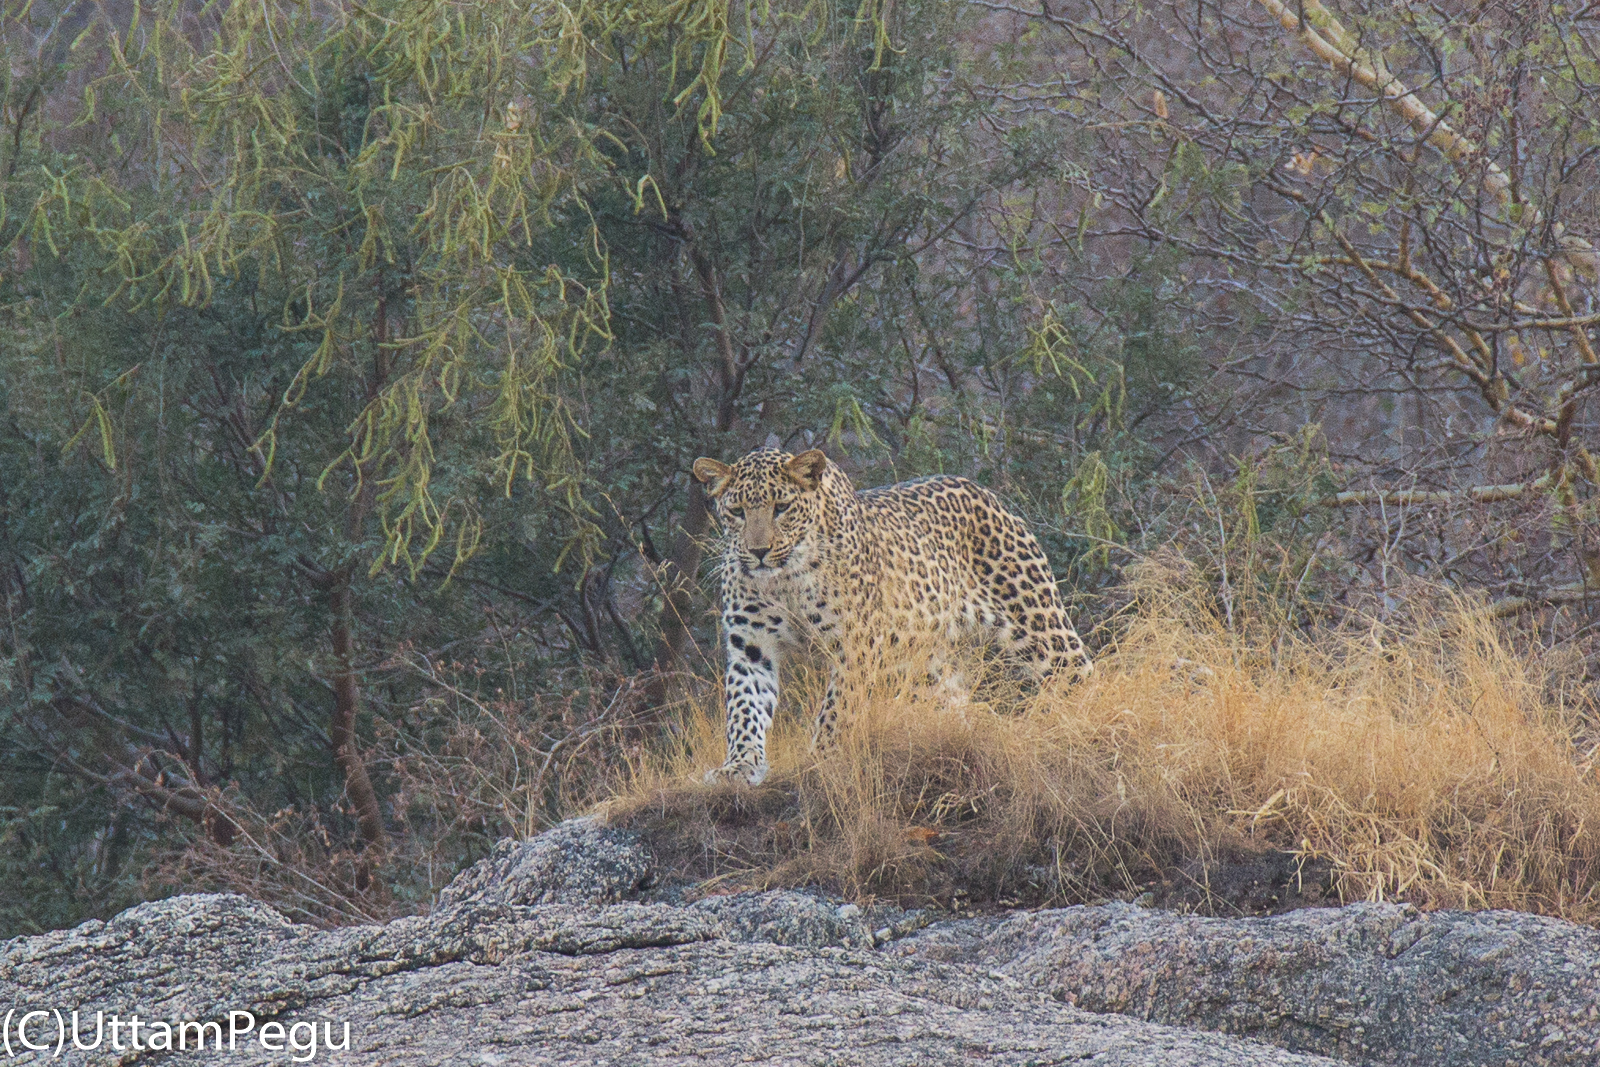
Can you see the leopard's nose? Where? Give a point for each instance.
(760, 554)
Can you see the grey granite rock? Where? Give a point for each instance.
(621, 984)
(1369, 983)
(784, 917)
(581, 861)
(537, 955)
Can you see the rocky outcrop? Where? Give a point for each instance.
(582, 861)
(1367, 983)
(563, 950)
(622, 984)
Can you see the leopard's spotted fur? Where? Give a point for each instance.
(810, 562)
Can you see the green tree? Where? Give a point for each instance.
(345, 337)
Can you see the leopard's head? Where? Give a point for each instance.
(770, 502)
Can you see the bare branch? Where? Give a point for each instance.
(1479, 494)
(1564, 594)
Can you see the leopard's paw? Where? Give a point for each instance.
(744, 771)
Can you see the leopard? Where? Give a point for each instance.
(810, 564)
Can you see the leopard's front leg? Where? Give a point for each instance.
(751, 688)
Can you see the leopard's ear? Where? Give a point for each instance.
(713, 473)
(805, 470)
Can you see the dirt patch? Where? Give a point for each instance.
(730, 838)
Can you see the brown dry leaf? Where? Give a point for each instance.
(1303, 163)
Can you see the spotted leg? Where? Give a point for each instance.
(950, 685)
(1057, 651)
(826, 728)
(751, 686)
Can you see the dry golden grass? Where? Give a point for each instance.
(1430, 762)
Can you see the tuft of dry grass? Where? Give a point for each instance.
(1429, 761)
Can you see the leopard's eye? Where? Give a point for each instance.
(737, 513)
(779, 509)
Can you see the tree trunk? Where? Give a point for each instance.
(346, 691)
(346, 710)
